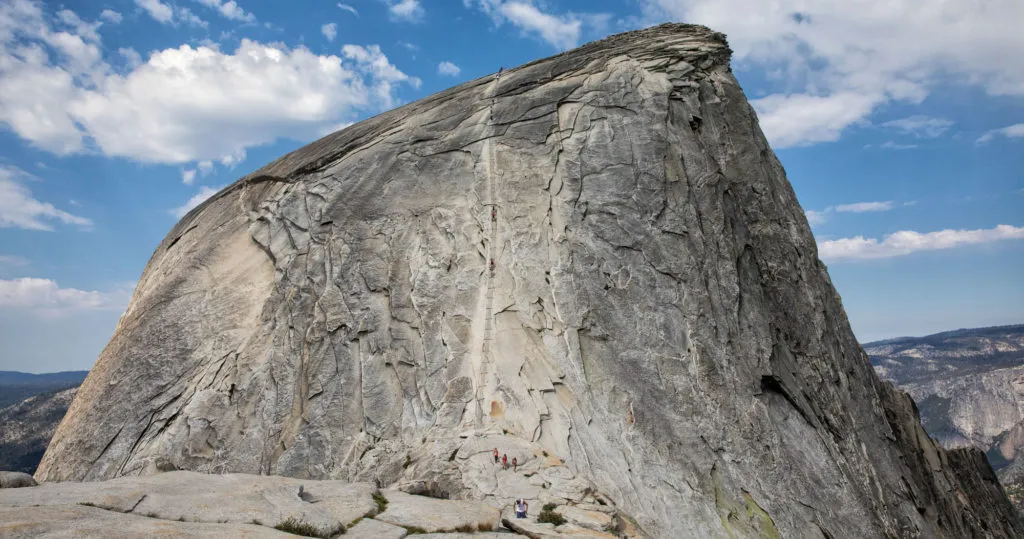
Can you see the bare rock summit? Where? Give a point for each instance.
(593, 262)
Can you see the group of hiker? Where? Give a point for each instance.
(520, 505)
(504, 461)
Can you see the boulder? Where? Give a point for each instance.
(594, 520)
(74, 521)
(433, 515)
(369, 528)
(16, 480)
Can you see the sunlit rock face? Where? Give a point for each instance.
(594, 258)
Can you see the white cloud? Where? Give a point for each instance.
(169, 14)
(560, 31)
(349, 9)
(111, 16)
(229, 10)
(448, 68)
(132, 59)
(920, 126)
(204, 193)
(186, 104)
(406, 10)
(890, 145)
(157, 9)
(878, 50)
(19, 209)
(85, 30)
(802, 119)
(1012, 131)
(906, 242)
(861, 207)
(13, 260)
(44, 296)
(371, 60)
(188, 176)
(819, 217)
(329, 30)
(816, 217)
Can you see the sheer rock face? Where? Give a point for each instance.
(656, 316)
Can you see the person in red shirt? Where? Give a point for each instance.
(504, 461)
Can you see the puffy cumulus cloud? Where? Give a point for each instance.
(229, 10)
(861, 207)
(157, 9)
(864, 52)
(188, 176)
(1012, 131)
(111, 16)
(169, 14)
(46, 297)
(803, 119)
(197, 199)
(19, 209)
(405, 10)
(185, 104)
(448, 68)
(906, 242)
(560, 31)
(371, 60)
(330, 31)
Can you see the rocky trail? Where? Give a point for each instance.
(189, 504)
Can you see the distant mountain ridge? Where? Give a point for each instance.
(969, 387)
(17, 386)
(950, 353)
(31, 406)
(26, 428)
(25, 378)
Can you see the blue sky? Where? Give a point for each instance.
(901, 127)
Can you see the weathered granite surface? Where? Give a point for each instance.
(655, 331)
(76, 521)
(189, 504)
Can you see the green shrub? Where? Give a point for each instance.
(414, 530)
(382, 502)
(296, 527)
(551, 517)
(549, 507)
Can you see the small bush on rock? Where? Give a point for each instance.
(549, 507)
(382, 502)
(297, 527)
(551, 517)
